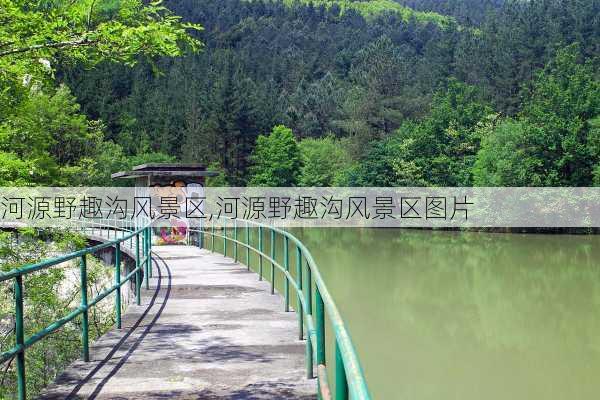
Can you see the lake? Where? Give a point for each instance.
(448, 315)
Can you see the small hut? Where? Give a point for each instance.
(187, 181)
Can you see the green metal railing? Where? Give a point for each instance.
(349, 378)
(127, 236)
(312, 296)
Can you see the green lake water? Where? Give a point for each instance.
(446, 315)
(462, 316)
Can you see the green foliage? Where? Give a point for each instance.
(324, 68)
(375, 107)
(46, 132)
(276, 159)
(44, 137)
(324, 161)
(555, 140)
(503, 158)
(376, 168)
(34, 34)
(596, 173)
(373, 8)
(412, 95)
(110, 158)
(216, 181)
(438, 150)
(49, 295)
(13, 170)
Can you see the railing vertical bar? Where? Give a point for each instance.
(84, 304)
(260, 249)
(320, 321)
(20, 338)
(309, 357)
(235, 238)
(299, 294)
(247, 246)
(286, 265)
(145, 253)
(212, 239)
(201, 235)
(341, 382)
(272, 264)
(149, 252)
(309, 311)
(308, 290)
(225, 237)
(118, 283)
(138, 274)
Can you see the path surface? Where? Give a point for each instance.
(206, 329)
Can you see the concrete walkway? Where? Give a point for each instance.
(207, 329)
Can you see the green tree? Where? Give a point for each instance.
(34, 34)
(276, 159)
(438, 150)
(48, 133)
(555, 139)
(390, 162)
(44, 137)
(220, 180)
(324, 161)
(504, 158)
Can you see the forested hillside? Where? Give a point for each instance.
(371, 8)
(468, 12)
(498, 93)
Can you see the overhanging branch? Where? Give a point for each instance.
(56, 45)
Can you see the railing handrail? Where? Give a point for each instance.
(353, 375)
(49, 262)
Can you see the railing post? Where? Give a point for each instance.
(260, 249)
(145, 253)
(201, 236)
(235, 238)
(138, 273)
(309, 357)
(320, 321)
(247, 246)
(299, 310)
(118, 283)
(273, 258)
(20, 338)
(84, 306)
(225, 237)
(341, 383)
(308, 301)
(212, 239)
(286, 265)
(149, 252)
(308, 290)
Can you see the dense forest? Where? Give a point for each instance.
(284, 93)
(369, 93)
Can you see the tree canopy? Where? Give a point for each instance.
(44, 137)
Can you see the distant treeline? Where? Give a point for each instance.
(505, 93)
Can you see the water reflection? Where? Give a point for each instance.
(446, 315)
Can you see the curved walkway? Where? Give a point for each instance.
(206, 329)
